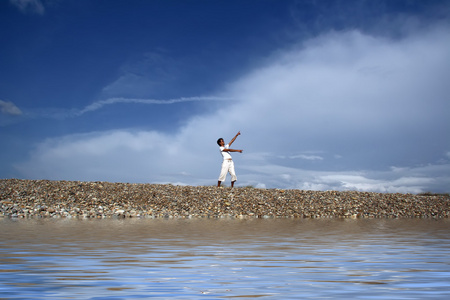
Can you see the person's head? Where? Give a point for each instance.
(220, 142)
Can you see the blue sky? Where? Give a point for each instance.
(328, 95)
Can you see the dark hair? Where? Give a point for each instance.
(218, 141)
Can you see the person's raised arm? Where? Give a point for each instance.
(234, 138)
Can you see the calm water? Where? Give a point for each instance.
(225, 259)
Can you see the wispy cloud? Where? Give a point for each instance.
(29, 6)
(9, 108)
(100, 104)
(61, 114)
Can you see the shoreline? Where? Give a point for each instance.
(77, 199)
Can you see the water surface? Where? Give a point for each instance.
(225, 259)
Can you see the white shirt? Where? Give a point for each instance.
(225, 154)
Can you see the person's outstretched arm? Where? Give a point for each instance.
(232, 150)
(234, 138)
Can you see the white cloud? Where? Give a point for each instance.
(113, 156)
(362, 183)
(377, 102)
(32, 6)
(307, 157)
(9, 108)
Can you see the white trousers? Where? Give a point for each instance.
(227, 166)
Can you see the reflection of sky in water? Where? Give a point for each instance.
(281, 258)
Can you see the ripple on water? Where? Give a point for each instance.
(214, 259)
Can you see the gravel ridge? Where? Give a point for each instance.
(77, 199)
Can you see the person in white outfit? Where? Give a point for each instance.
(227, 163)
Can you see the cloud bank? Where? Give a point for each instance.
(343, 111)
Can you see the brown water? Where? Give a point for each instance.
(225, 258)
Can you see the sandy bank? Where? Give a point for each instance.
(66, 199)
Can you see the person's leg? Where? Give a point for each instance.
(223, 173)
(232, 173)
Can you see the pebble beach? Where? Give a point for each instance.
(76, 199)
